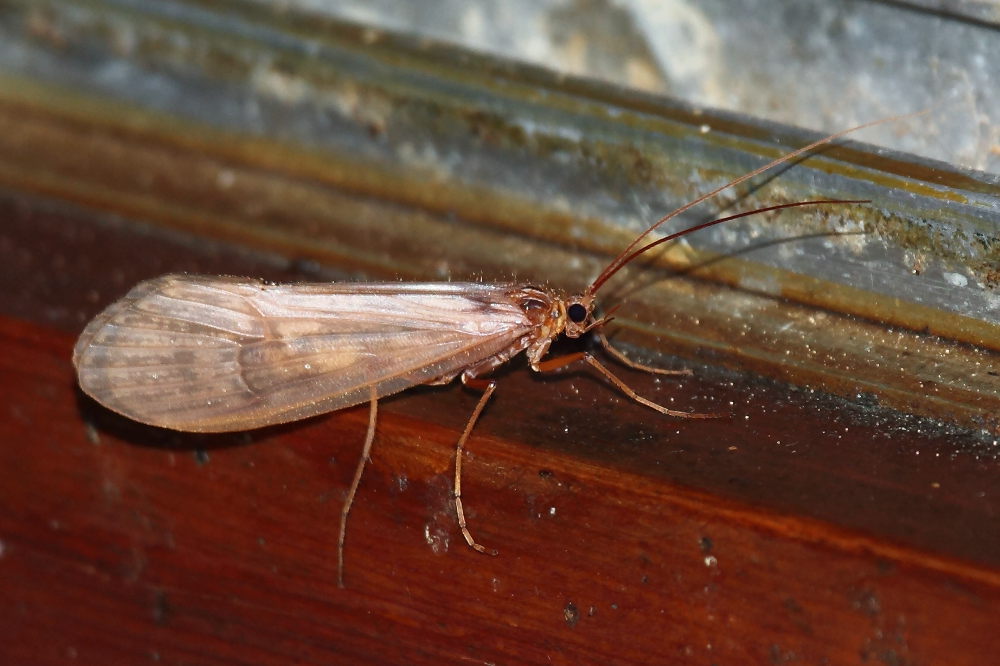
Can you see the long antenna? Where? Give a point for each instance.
(628, 254)
(746, 213)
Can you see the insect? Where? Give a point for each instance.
(214, 354)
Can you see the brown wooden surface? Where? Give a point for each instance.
(800, 530)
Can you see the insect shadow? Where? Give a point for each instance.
(104, 421)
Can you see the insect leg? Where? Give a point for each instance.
(369, 438)
(562, 361)
(635, 365)
(487, 387)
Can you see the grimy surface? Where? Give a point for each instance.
(800, 530)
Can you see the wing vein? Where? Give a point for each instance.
(213, 354)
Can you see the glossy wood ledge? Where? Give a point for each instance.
(803, 529)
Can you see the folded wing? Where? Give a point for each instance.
(217, 354)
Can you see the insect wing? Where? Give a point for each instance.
(218, 354)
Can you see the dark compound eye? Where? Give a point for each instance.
(577, 313)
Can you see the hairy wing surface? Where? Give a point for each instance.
(216, 354)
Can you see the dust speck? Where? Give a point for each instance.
(571, 614)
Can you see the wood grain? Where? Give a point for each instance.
(801, 530)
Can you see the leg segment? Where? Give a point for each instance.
(487, 387)
(369, 438)
(626, 361)
(562, 361)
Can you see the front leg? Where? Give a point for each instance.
(560, 362)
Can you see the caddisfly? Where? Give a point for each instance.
(214, 354)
